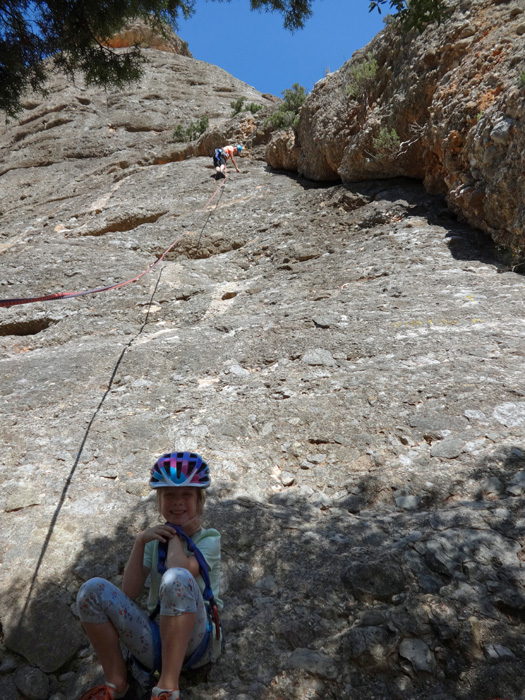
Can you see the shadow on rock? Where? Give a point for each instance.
(382, 603)
(472, 244)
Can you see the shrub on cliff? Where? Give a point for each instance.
(182, 134)
(238, 106)
(414, 14)
(287, 114)
(362, 77)
(386, 143)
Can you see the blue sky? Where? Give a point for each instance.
(254, 47)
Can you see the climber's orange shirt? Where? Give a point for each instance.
(229, 151)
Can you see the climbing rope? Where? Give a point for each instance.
(6, 303)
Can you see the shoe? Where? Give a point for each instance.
(107, 692)
(100, 692)
(158, 694)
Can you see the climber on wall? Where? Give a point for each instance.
(220, 157)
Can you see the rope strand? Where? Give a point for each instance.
(6, 303)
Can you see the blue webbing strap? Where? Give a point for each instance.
(192, 547)
(211, 607)
(198, 653)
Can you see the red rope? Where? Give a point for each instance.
(70, 295)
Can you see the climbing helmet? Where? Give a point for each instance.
(180, 469)
(239, 148)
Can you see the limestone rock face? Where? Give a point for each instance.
(452, 96)
(109, 128)
(280, 152)
(347, 358)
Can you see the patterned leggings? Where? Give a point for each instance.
(101, 601)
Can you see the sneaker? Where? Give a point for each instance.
(107, 692)
(100, 692)
(158, 694)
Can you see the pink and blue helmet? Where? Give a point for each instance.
(180, 469)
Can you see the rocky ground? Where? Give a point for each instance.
(348, 359)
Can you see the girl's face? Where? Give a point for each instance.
(178, 505)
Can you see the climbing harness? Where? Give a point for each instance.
(209, 600)
(6, 303)
(213, 624)
(219, 158)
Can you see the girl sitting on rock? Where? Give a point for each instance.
(177, 630)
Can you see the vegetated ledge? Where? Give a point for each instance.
(27, 327)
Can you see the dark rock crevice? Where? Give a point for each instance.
(25, 327)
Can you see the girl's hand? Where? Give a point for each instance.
(192, 526)
(162, 533)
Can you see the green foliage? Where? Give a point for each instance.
(283, 120)
(287, 115)
(293, 98)
(387, 143)
(362, 77)
(183, 134)
(239, 106)
(414, 14)
(295, 12)
(74, 34)
(521, 80)
(179, 134)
